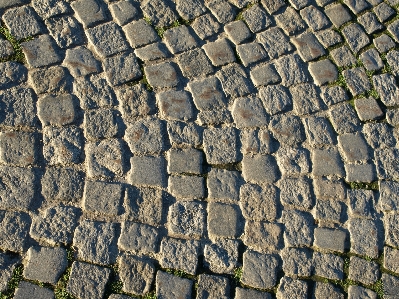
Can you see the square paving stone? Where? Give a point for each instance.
(184, 134)
(338, 14)
(138, 237)
(66, 31)
(237, 31)
(275, 98)
(327, 162)
(290, 21)
(299, 4)
(329, 189)
(259, 270)
(383, 11)
(179, 39)
(159, 12)
(207, 94)
(140, 33)
(328, 37)
(194, 63)
(135, 101)
(103, 198)
(205, 26)
(18, 148)
(145, 205)
(391, 286)
(224, 220)
(327, 290)
(56, 225)
(258, 203)
(145, 136)
(391, 229)
(308, 46)
(357, 80)
(256, 18)
(223, 185)
(107, 39)
(353, 147)
(185, 161)
(220, 145)
(383, 43)
(87, 281)
(234, 80)
(264, 75)
(387, 89)
(27, 290)
(148, 171)
(330, 239)
(122, 68)
(272, 6)
(169, 286)
(94, 92)
(190, 9)
(391, 258)
(344, 118)
(343, 57)
(14, 228)
(212, 286)
(393, 28)
(389, 195)
(368, 109)
(257, 142)
(22, 22)
(387, 163)
(186, 220)
(357, 6)
(221, 256)
(314, 18)
(371, 60)
(57, 110)
(179, 254)
(355, 292)
(62, 145)
(45, 264)
(251, 53)
(370, 23)
(41, 51)
(137, 274)
(89, 12)
(105, 158)
(296, 193)
(175, 105)
(260, 169)
(13, 73)
(364, 237)
(297, 261)
(366, 272)
(298, 228)
(222, 10)
(100, 124)
(360, 173)
(187, 187)
(162, 75)
(124, 11)
(328, 210)
(305, 98)
(319, 131)
(53, 79)
(333, 95)
(292, 70)
(355, 37)
(50, 8)
(18, 187)
(323, 71)
(248, 112)
(329, 266)
(263, 237)
(361, 203)
(292, 288)
(288, 129)
(96, 242)
(219, 52)
(275, 42)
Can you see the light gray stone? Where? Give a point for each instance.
(328, 210)
(50, 8)
(308, 46)
(207, 94)
(298, 228)
(27, 290)
(212, 286)
(139, 33)
(353, 147)
(358, 292)
(366, 272)
(148, 171)
(41, 51)
(122, 68)
(306, 99)
(124, 11)
(248, 112)
(338, 14)
(205, 26)
(327, 290)
(184, 134)
(343, 57)
(364, 237)
(173, 287)
(66, 31)
(18, 148)
(383, 43)
(251, 53)
(323, 71)
(234, 80)
(185, 161)
(368, 109)
(194, 63)
(153, 51)
(159, 12)
(222, 10)
(328, 37)
(22, 22)
(389, 195)
(292, 288)
(292, 70)
(221, 256)
(257, 204)
(12, 73)
(263, 237)
(265, 75)
(391, 229)
(330, 239)
(275, 42)
(223, 185)
(256, 18)
(186, 220)
(356, 37)
(319, 131)
(287, 129)
(328, 265)
(57, 110)
(237, 31)
(190, 9)
(290, 21)
(314, 18)
(162, 75)
(387, 163)
(333, 95)
(344, 118)
(220, 145)
(391, 285)
(385, 85)
(361, 203)
(8, 263)
(357, 80)
(53, 79)
(224, 220)
(260, 169)
(296, 193)
(175, 105)
(135, 102)
(145, 136)
(103, 198)
(187, 187)
(89, 12)
(138, 237)
(275, 98)
(179, 39)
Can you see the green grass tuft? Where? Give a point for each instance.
(237, 274)
(60, 289)
(13, 283)
(18, 55)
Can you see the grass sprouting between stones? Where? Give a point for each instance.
(18, 55)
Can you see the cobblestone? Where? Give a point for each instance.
(27, 290)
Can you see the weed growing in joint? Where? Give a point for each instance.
(16, 45)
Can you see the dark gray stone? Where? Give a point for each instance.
(194, 63)
(328, 210)
(169, 286)
(393, 28)
(212, 286)
(328, 265)
(297, 261)
(138, 237)
(371, 60)
(187, 187)
(393, 61)
(9, 3)
(57, 110)
(205, 26)
(298, 228)
(179, 254)
(45, 264)
(327, 162)
(103, 198)
(26, 290)
(387, 163)
(89, 12)
(87, 281)
(299, 4)
(66, 31)
(275, 42)
(22, 22)
(329, 189)
(41, 51)
(292, 288)
(18, 148)
(290, 21)
(162, 75)
(6, 48)
(260, 169)
(287, 129)
(330, 239)
(366, 272)
(257, 204)
(56, 225)
(148, 171)
(234, 80)
(224, 220)
(379, 135)
(214, 118)
(186, 219)
(14, 228)
(100, 124)
(344, 118)
(122, 68)
(185, 161)
(353, 147)
(140, 33)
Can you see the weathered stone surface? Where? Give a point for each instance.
(258, 142)
(135, 102)
(89, 12)
(50, 8)
(296, 193)
(185, 161)
(54, 80)
(171, 286)
(249, 293)
(237, 31)
(222, 10)
(148, 171)
(99, 124)
(56, 225)
(275, 42)
(222, 256)
(205, 26)
(328, 210)
(292, 70)
(327, 290)
(224, 220)
(162, 75)
(138, 237)
(179, 39)
(223, 185)
(94, 92)
(175, 105)
(366, 272)
(306, 99)
(383, 43)
(194, 63)
(343, 57)
(41, 51)
(328, 37)
(27, 290)
(314, 18)
(122, 68)
(353, 147)
(140, 33)
(45, 264)
(263, 237)
(256, 18)
(323, 71)
(273, 6)
(212, 286)
(18, 148)
(186, 220)
(145, 136)
(391, 229)
(234, 80)
(275, 98)
(8, 264)
(391, 284)
(330, 239)
(290, 21)
(187, 187)
(364, 236)
(368, 109)
(220, 145)
(183, 134)
(87, 280)
(259, 270)
(356, 37)
(308, 46)
(344, 119)
(264, 75)
(207, 94)
(328, 265)
(298, 228)
(103, 198)
(159, 12)
(249, 112)
(257, 204)
(179, 254)
(319, 131)
(22, 22)
(260, 169)
(57, 110)
(387, 163)
(361, 203)
(355, 292)
(290, 288)
(287, 129)
(333, 95)
(389, 195)
(14, 228)
(12, 73)
(66, 31)
(251, 53)
(387, 88)
(329, 189)
(357, 81)
(297, 261)
(190, 9)
(124, 11)
(96, 242)
(136, 274)
(153, 51)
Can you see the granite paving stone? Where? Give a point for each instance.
(138, 237)
(290, 21)
(308, 46)
(221, 256)
(8, 264)
(182, 134)
(297, 261)
(66, 31)
(256, 18)
(27, 290)
(363, 271)
(162, 75)
(273, 6)
(314, 18)
(338, 14)
(328, 37)
(327, 290)
(383, 43)
(186, 220)
(140, 33)
(153, 51)
(194, 63)
(264, 75)
(222, 10)
(159, 12)
(298, 228)
(328, 265)
(251, 53)
(50, 8)
(22, 22)
(90, 12)
(81, 62)
(275, 42)
(190, 9)
(41, 51)
(124, 12)
(224, 220)
(212, 286)
(18, 148)
(15, 228)
(390, 285)
(205, 26)
(355, 292)
(289, 287)
(55, 80)
(179, 39)
(171, 286)
(379, 135)
(343, 57)
(13, 73)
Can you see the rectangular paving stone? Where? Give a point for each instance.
(256, 18)
(194, 63)
(175, 105)
(122, 68)
(66, 31)
(328, 37)
(223, 185)
(179, 39)
(296, 193)
(27, 290)
(338, 14)
(329, 210)
(366, 272)
(221, 256)
(205, 26)
(186, 219)
(391, 229)
(171, 286)
(213, 286)
(185, 161)
(13, 73)
(147, 171)
(57, 110)
(50, 8)
(100, 124)
(41, 51)
(264, 75)
(389, 195)
(298, 228)
(275, 42)
(162, 75)
(327, 290)
(140, 33)
(328, 265)
(263, 237)
(248, 112)
(89, 12)
(186, 187)
(220, 145)
(234, 80)
(355, 37)
(22, 22)
(319, 131)
(289, 287)
(159, 12)
(251, 53)
(364, 237)
(53, 79)
(308, 46)
(290, 21)
(220, 52)
(8, 264)
(14, 228)
(153, 51)
(360, 173)
(344, 118)
(237, 31)
(18, 148)
(258, 205)
(103, 198)
(357, 80)
(386, 163)
(190, 9)
(368, 109)
(288, 129)
(330, 239)
(323, 71)
(305, 98)
(222, 10)
(387, 89)
(207, 94)
(327, 162)
(124, 11)
(138, 237)
(297, 261)
(292, 70)
(343, 57)
(314, 18)
(224, 220)
(272, 6)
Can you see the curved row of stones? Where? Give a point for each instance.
(257, 114)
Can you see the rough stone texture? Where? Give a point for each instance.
(364, 237)
(8, 263)
(137, 236)
(170, 286)
(291, 70)
(389, 195)
(94, 92)
(66, 31)
(234, 80)
(187, 187)
(328, 239)
(249, 112)
(287, 129)
(124, 11)
(185, 161)
(205, 26)
(275, 42)
(290, 288)
(50, 8)
(296, 193)
(298, 228)
(122, 68)
(89, 12)
(391, 229)
(391, 284)
(357, 81)
(22, 22)
(179, 254)
(222, 10)
(224, 220)
(13, 73)
(368, 109)
(148, 171)
(251, 53)
(57, 110)
(40, 51)
(258, 205)
(249, 293)
(162, 75)
(179, 39)
(139, 33)
(211, 286)
(308, 46)
(256, 18)
(333, 95)
(305, 98)
(355, 292)
(363, 271)
(319, 131)
(327, 162)
(290, 21)
(186, 220)
(207, 94)
(28, 290)
(327, 290)
(356, 37)
(104, 198)
(87, 280)
(45, 264)
(222, 256)
(145, 136)
(323, 71)
(220, 145)
(263, 237)
(53, 79)
(264, 75)
(18, 148)
(275, 98)
(386, 87)
(159, 12)
(297, 261)
(14, 227)
(260, 169)
(344, 119)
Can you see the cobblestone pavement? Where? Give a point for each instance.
(191, 149)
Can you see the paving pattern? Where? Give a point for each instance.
(199, 149)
